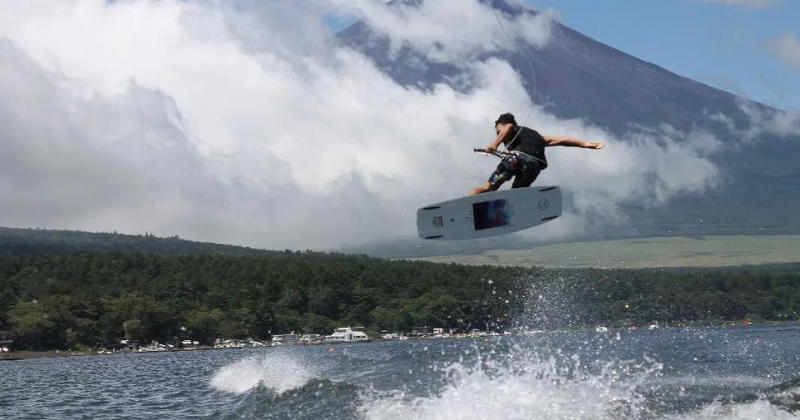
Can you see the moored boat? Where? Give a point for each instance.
(347, 335)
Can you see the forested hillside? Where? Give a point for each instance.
(101, 298)
(15, 241)
(98, 299)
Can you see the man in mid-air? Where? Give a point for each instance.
(526, 158)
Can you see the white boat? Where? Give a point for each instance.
(153, 347)
(281, 339)
(346, 335)
(254, 343)
(601, 329)
(230, 344)
(310, 338)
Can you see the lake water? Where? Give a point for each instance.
(704, 373)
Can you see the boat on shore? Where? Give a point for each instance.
(154, 346)
(347, 335)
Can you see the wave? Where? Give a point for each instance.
(279, 372)
(785, 395)
(317, 399)
(550, 389)
(761, 409)
(555, 390)
(512, 384)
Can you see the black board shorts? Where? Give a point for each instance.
(523, 168)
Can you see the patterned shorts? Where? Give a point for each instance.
(523, 168)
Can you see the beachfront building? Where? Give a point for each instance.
(422, 331)
(281, 339)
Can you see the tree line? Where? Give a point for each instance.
(27, 241)
(90, 300)
(97, 299)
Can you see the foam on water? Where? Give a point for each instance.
(553, 389)
(279, 372)
(580, 377)
(757, 410)
(544, 389)
(717, 380)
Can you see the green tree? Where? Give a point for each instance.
(204, 325)
(392, 319)
(323, 301)
(317, 324)
(133, 330)
(33, 325)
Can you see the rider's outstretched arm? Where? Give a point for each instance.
(572, 142)
(501, 134)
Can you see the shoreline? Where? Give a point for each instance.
(53, 354)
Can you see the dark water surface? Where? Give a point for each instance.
(704, 373)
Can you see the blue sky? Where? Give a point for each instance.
(723, 43)
(720, 44)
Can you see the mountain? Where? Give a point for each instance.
(578, 77)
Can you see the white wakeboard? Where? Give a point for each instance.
(489, 214)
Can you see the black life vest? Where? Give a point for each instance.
(527, 141)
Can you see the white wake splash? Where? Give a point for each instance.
(276, 371)
(536, 390)
(756, 410)
(549, 390)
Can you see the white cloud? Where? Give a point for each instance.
(241, 123)
(746, 3)
(445, 33)
(787, 49)
(769, 121)
(762, 121)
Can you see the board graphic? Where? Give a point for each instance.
(490, 214)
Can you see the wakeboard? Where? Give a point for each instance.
(490, 214)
